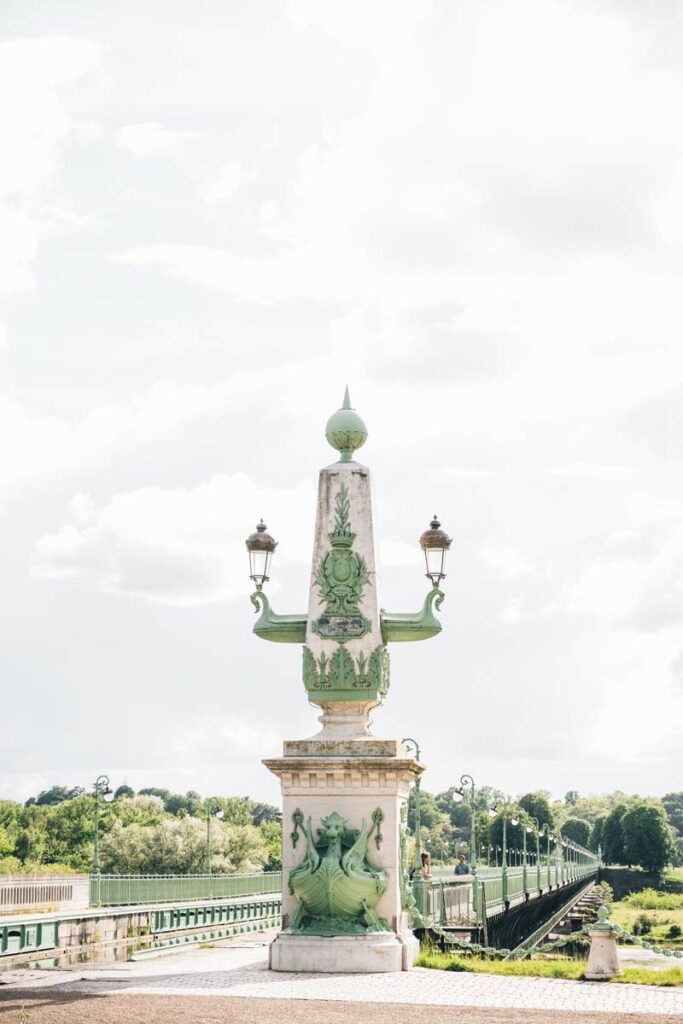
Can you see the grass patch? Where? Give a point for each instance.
(652, 899)
(571, 969)
(662, 922)
(671, 977)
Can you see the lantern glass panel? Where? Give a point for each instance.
(259, 562)
(435, 559)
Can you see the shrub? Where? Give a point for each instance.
(652, 899)
(607, 894)
(674, 932)
(644, 924)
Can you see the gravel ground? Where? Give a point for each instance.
(58, 1007)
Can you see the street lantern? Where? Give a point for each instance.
(260, 546)
(435, 542)
(459, 794)
(102, 791)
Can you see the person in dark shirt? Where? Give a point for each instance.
(462, 867)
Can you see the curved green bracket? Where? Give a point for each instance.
(398, 626)
(281, 629)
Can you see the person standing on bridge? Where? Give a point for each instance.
(426, 869)
(462, 867)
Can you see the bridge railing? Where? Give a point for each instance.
(472, 899)
(125, 890)
(448, 901)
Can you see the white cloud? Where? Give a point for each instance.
(150, 138)
(636, 581)
(506, 560)
(176, 547)
(222, 186)
(677, 671)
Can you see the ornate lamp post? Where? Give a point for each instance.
(493, 812)
(538, 852)
(417, 854)
(331, 781)
(219, 814)
(102, 791)
(546, 827)
(459, 793)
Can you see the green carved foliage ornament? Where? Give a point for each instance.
(336, 886)
(342, 672)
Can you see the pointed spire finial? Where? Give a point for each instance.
(345, 430)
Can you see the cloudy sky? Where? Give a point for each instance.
(213, 215)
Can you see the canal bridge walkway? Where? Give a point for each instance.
(152, 912)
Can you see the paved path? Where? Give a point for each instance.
(240, 972)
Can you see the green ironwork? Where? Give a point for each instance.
(405, 626)
(466, 781)
(127, 890)
(496, 889)
(377, 819)
(298, 820)
(345, 430)
(336, 886)
(281, 629)
(333, 678)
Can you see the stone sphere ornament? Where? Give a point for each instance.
(346, 431)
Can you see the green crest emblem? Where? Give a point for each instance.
(341, 578)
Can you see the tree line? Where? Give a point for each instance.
(155, 830)
(627, 829)
(151, 831)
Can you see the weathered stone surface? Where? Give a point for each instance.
(603, 959)
(338, 954)
(356, 747)
(354, 787)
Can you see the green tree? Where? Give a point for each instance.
(595, 839)
(537, 805)
(613, 851)
(458, 810)
(58, 794)
(430, 814)
(139, 810)
(673, 805)
(264, 813)
(571, 797)
(648, 840)
(70, 829)
(578, 830)
(237, 809)
(124, 791)
(271, 833)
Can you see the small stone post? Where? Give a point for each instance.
(603, 959)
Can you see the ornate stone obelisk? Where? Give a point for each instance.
(344, 792)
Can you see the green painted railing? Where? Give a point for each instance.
(126, 890)
(451, 901)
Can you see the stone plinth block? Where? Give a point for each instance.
(368, 793)
(337, 954)
(603, 959)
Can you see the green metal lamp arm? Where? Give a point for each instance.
(403, 626)
(281, 629)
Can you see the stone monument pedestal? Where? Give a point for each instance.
(603, 959)
(366, 782)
